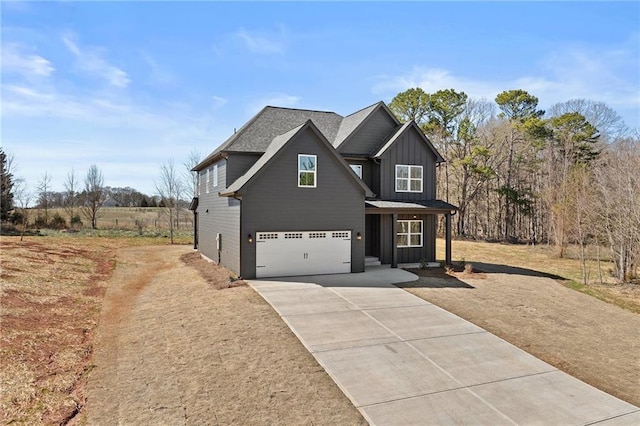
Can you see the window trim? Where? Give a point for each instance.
(215, 175)
(409, 179)
(358, 173)
(314, 172)
(409, 233)
(208, 186)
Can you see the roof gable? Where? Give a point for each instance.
(276, 146)
(401, 130)
(355, 137)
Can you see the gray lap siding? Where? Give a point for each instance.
(274, 202)
(222, 217)
(376, 129)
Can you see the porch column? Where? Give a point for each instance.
(447, 260)
(394, 240)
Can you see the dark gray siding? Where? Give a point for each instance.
(370, 172)
(273, 201)
(238, 164)
(409, 149)
(219, 215)
(409, 254)
(374, 131)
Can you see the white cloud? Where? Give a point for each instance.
(274, 99)
(260, 44)
(219, 102)
(15, 60)
(159, 75)
(90, 60)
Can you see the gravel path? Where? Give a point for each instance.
(172, 350)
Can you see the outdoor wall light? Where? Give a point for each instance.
(358, 236)
(250, 238)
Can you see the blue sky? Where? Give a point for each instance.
(129, 85)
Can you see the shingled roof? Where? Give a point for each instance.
(258, 133)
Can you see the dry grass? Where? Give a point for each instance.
(216, 276)
(148, 219)
(51, 291)
(543, 258)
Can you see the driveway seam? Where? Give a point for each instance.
(491, 406)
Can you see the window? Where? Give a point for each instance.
(409, 233)
(198, 182)
(208, 179)
(408, 178)
(215, 175)
(307, 169)
(357, 168)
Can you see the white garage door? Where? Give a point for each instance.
(280, 254)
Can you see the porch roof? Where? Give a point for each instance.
(408, 207)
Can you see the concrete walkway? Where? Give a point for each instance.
(404, 361)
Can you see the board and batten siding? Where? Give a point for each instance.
(409, 254)
(272, 201)
(409, 149)
(371, 135)
(222, 217)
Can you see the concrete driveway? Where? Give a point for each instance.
(404, 361)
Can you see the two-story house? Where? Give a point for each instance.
(300, 192)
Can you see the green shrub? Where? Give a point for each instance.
(57, 222)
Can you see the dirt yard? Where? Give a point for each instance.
(173, 349)
(595, 341)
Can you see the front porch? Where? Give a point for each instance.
(400, 232)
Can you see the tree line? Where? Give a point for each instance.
(567, 176)
(83, 198)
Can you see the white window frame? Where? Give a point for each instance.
(313, 172)
(208, 179)
(198, 183)
(215, 175)
(357, 169)
(409, 234)
(409, 179)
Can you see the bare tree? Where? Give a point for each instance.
(94, 195)
(44, 192)
(23, 197)
(71, 194)
(190, 177)
(617, 181)
(610, 125)
(170, 189)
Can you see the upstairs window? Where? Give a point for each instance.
(409, 233)
(408, 178)
(357, 169)
(208, 179)
(307, 170)
(215, 175)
